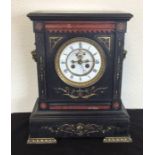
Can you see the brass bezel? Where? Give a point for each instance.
(82, 84)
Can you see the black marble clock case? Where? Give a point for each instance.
(108, 116)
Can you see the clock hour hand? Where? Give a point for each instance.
(74, 61)
(77, 61)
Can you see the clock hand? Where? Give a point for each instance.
(79, 61)
(86, 61)
(74, 61)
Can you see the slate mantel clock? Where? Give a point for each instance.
(79, 62)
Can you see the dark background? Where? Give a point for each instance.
(80, 146)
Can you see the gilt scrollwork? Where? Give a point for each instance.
(118, 68)
(81, 93)
(79, 129)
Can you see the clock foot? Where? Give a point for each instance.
(121, 139)
(41, 140)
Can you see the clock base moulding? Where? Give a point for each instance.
(122, 139)
(69, 123)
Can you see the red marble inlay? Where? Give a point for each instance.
(38, 26)
(43, 106)
(121, 26)
(80, 26)
(77, 107)
(116, 105)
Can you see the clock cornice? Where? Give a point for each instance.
(105, 16)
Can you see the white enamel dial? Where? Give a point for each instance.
(80, 62)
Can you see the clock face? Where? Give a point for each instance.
(80, 62)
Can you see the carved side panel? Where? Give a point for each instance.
(40, 48)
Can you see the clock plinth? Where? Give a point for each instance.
(79, 62)
(69, 123)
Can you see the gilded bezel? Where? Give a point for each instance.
(80, 84)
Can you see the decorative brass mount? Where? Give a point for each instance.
(34, 55)
(81, 93)
(41, 141)
(80, 129)
(54, 40)
(124, 53)
(126, 139)
(106, 40)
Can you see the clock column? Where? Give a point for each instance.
(40, 58)
(119, 56)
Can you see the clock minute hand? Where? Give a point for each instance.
(86, 61)
(78, 61)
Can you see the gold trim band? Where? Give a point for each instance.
(41, 141)
(126, 139)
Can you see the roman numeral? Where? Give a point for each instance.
(89, 48)
(71, 76)
(71, 47)
(66, 70)
(63, 62)
(89, 76)
(96, 61)
(80, 45)
(94, 70)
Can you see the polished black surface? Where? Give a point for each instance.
(79, 16)
(78, 146)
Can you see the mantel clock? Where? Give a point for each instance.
(79, 60)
